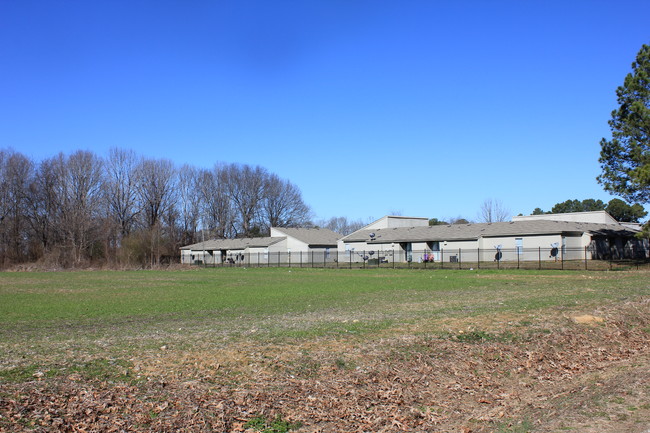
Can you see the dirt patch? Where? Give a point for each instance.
(542, 373)
(588, 319)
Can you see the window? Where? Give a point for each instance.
(519, 245)
(409, 251)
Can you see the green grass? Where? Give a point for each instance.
(75, 298)
(42, 299)
(113, 314)
(276, 425)
(511, 427)
(97, 369)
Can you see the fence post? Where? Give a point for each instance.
(459, 259)
(478, 258)
(585, 257)
(442, 258)
(539, 258)
(517, 252)
(312, 259)
(562, 259)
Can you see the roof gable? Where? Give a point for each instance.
(233, 244)
(310, 236)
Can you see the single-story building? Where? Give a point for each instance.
(285, 245)
(220, 251)
(388, 239)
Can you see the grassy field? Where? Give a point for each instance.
(229, 331)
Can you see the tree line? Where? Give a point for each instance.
(494, 211)
(125, 209)
(616, 207)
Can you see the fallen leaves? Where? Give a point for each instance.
(416, 384)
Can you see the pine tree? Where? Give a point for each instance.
(625, 159)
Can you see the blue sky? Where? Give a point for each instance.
(426, 108)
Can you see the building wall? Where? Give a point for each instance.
(257, 255)
(186, 257)
(574, 246)
(509, 242)
(466, 250)
(289, 243)
(355, 251)
(279, 246)
(293, 244)
(389, 222)
(208, 257)
(531, 248)
(598, 217)
(455, 245)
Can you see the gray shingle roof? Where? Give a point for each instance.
(233, 244)
(312, 236)
(474, 231)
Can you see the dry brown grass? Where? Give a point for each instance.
(540, 372)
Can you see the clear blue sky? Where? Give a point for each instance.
(426, 108)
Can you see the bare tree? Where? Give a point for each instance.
(79, 207)
(15, 172)
(155, 186)
(245, 186)
(155, 182)
(5, 205)
(189, 203)
(283, 205)
(77, 182)
(342, 225)
(493, 211)
(120, 189)
(42, 207)
(217, 214)
(4, 186)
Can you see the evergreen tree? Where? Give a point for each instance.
(625, 159)
(623, 212)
